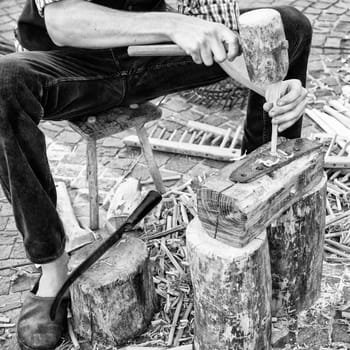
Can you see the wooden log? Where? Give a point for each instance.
(235, 212)
(232, 292)
(114, 301)
(296, 242)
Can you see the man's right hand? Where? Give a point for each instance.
(206, 41)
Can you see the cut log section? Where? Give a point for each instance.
(235, 213)
(296, 242)
(232, 292)
(114, 300)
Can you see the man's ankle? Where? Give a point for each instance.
(53, 276)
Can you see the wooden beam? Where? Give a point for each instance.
(236, 212)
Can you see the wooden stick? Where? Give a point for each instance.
(235, 137)
(167, 178)
(226, 137)
(181, 330)
(207, 128)
(172, 259)
(339, 107)
(149, 157)
(175, 319)
(340, 246)
(331, 145)
(340, 117)
(336, 251)
(182, 139)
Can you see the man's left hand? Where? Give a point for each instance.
(290, 106)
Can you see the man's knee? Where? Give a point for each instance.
(297, 25)
(13, 73)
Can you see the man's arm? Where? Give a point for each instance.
(79, 23)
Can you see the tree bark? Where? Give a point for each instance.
(296, 242)
(114, 300)
(232, 292)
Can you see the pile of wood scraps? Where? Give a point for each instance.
(198, 139)
(165, 237)
(335, 122)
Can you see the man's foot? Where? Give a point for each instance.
(35, 330)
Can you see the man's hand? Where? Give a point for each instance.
(206, 41)
(290, 107)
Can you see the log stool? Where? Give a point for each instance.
(115, 299)
(93, 128)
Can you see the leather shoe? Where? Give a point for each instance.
(35, 330)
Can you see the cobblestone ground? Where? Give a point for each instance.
(66, 151)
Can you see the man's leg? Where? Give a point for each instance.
(152, 77)
(35, 86)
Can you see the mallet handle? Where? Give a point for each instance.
(156, 50)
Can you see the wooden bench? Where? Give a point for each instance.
(98, 126)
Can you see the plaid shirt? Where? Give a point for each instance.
(221, 11)
(40, 4)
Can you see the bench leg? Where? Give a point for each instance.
(151, 163)
(91, 171)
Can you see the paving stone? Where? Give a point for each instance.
(333, 42)
(176, 104)
(69, 137)
(18, 252)
(9, 302)
(113, 142)
(5, 251)
(3, 222)
(180, 164)
(214, 120)
(4, 285)
(336, 10)
(6, 209)
(23, 282)
(321, 5)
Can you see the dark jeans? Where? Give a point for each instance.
(67, 83)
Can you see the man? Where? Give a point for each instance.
(77, 65)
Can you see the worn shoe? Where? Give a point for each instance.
(35, 330)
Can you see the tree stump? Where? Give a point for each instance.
(232, 292)
(114, 300)
(296, 241)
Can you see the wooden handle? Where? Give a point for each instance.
(156, 50)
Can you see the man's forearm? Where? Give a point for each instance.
(79, 23)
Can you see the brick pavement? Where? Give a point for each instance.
(331, 23)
